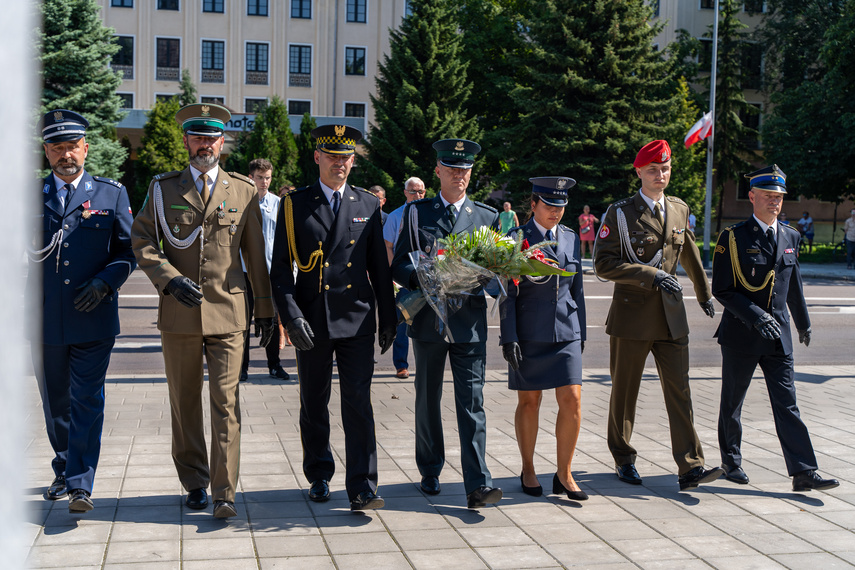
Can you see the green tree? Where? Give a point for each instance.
(688, 181)
(271, 138)
(306, 151)
(188, 89)
(76, 50)
(422, 90)
(162, 148)
(595, 91)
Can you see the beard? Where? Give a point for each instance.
(66, 167)
(205, 162)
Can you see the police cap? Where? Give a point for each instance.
(337, 139)
(62, 125)
(456, 153)
(203, 119)
(770, 178)
(552, 190)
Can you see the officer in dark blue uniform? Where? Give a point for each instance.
(82, 254)
(450, 212)
(756, 277)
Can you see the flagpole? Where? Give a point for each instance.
(710, 144)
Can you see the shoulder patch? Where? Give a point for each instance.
(107, 180)
(240, 176)
(485, 206)
(165, 175)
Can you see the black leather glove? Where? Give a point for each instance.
(709, 308)
(667, 282)
(185, 291)
(301, 334)
(768, 327)
(265, 327)
(512, 353)
(386, 337)
(804, 336)
(414, 281)
(93, 292)
(583, 347)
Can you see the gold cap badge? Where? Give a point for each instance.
(339, 130)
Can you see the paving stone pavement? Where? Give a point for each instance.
(140, 522)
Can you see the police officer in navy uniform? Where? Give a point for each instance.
(82, 254)
(333, 232)
(756, 277)
(426, 220)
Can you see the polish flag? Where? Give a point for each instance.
(701, 130)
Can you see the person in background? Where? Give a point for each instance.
(284, 189)
(380, 192)
(261, 173)
(756, 277)
(414, 189)
(587, 230)
(81, 256)
(849, 238)
(806, 229)
(782, 219)
(507, 218)
(543, 336)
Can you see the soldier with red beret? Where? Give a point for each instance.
(639, 244)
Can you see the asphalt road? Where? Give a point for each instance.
(831, 306)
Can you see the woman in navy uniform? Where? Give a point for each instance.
(541, 357)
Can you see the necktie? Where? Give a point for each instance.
(64, 194)
(549, 235)
(657, 211)
(336, 202)
(205, 193)
(770, 235)
(452, 213)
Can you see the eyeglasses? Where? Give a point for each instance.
(415, 191)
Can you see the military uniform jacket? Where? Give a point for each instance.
(337, 296)
(552, 310)
(95, 242)
(469, 323)
(743, 307)
(638, 310)
(231, 223)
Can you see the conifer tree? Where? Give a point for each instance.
(187, 96)
(271, 138)
(688, 179)
(162, 148)
(76, 50)
(422, 89)
(595, 91)
(306, 151)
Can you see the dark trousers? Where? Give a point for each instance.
(468, 361)
(271, 349)
(71, 383)
(626, 361)
(736, 371)
(355, 362)
(850, 252)
(401, 346)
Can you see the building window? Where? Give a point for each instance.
(705, 55)
(300, 66)
(123, 60)
(254, 105)
(127, 100)
(214, 100)
(122, 3)
(752, 66)
(356, 10)
(408, 8)
(754, 6)
(168, 58)
(256, 8)
(354, 109)
(299, 107)
(167, 4)
(707, 4)
(213, 61)
(256, 63)
(354, 61)
(215, 6)
(301, 9)
(752, 121)
(655, 5)
(164, 97)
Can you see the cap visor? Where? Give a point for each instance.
(465, 165)
(553, 201)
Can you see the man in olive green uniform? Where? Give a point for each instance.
(204, 218)
(638, 246)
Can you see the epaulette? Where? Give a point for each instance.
(297, 190)
(562, 226)
(361, 189)
(165, 175)
(486, 207)
(789, 227)
(108, 181)
(734, 226)
(421, 201)
(675, 199)
(240, 176)
(623, 202)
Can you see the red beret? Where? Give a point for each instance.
(656, 151)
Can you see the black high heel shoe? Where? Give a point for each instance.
(559, 489)
(533, 491)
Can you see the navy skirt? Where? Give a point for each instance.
(547, 365)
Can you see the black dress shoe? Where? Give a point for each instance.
(319, 492)
(736, 475)
(224, 509)
(558, 489)
(430, 485)
(698, 475)
(367, 500)
(279, 372)
(483, 496)
(197, 499)
(628, 474)
(807, 480)
(79, 501)
(533, 491)
(57, 489)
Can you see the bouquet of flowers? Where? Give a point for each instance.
(465, 263)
